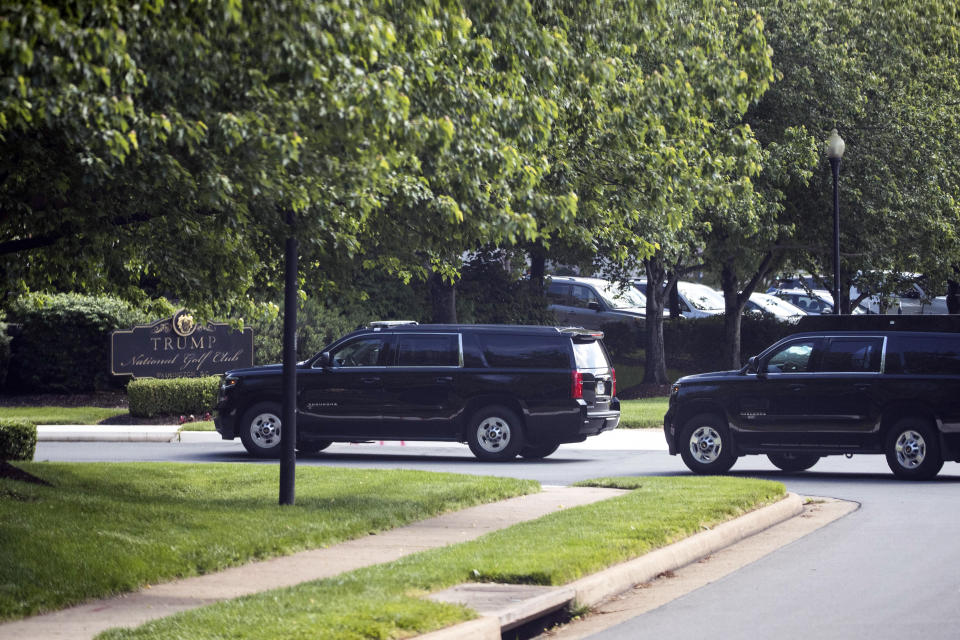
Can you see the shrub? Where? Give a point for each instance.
(151, 397)
(490, 293)
(18, 439)
(4, 351)
(697, 344)
(63, 343)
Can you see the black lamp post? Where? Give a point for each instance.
(835, 149)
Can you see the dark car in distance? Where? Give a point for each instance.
(504, 390)
(823, 393)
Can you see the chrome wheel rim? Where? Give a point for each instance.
(705, 445)
(493, 434)
(911, 449)
(265, 430)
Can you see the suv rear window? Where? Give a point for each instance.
(525, 351)
(922, 355)
(590, 355)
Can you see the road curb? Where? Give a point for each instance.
(593, 589)
(106, 433)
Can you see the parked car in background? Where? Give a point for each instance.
(823, 393)
(816, 301)
(696, 300)
(593, 302)
(504, 390)
(770, 305)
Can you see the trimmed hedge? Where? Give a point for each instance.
(18, 439)
(63, 342)
(151, 397)
(697, 344)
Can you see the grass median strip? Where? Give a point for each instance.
(61, 415)
(386, 601)
(645, 413)
(103, 529)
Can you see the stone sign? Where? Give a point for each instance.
(178, 347)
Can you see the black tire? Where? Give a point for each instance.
(260, 430)
(913, 449)
(495, 434)
(792, 462)
(313, 446)
(705, 444)
(538, 451)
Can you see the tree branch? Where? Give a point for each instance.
(37, 242)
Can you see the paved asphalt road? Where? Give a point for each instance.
(890, 570)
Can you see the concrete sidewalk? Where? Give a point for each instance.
(618, 439)
(502, 607)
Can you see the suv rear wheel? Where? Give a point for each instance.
(260, 430)
(705, 444)
(913, 449)
(494, 434)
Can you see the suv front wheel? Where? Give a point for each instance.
(494, 434)
(260, 430)
(705, 444)
(913, 450)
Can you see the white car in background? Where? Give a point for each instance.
(696, 300)
(816, 301)
(766, 304)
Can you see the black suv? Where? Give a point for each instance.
(504, 390)
(826, 393)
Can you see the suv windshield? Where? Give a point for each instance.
(629, 298)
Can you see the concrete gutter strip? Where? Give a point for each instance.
(595, 588)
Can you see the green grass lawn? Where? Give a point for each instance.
(645, 413)
(61, 415)
(103, 529)
(386, 601)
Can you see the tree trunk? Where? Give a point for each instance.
(443, 299)
(953, 296)
(655, 370)
(731, 316)
(538, 264)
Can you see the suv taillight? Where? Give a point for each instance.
(613, 382)
(576, 385)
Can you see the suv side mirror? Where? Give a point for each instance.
(753, 366)
(324, 359)
(594, 305)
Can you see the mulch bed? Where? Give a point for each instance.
(106, 399)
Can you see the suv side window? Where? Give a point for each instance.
(583, 296)
(559, 293)
(923, 355)
(793, 357)
(362, 352)
(860, 355)
(525, 352)
(428, 350)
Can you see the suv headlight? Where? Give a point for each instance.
(228, 382)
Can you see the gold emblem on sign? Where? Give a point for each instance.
(183, 323)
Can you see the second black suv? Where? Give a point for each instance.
(826, 393)
(504, 390)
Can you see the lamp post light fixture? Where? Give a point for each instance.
(835, 149)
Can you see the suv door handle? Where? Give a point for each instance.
(443, 379)
(862, 386)
(372, 380)
(797, 387)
